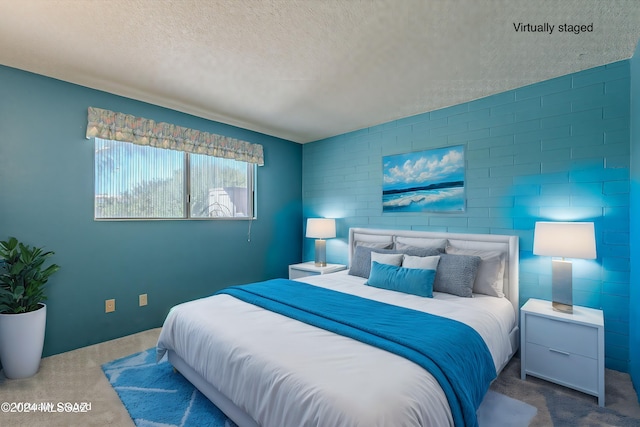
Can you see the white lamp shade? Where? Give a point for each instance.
(565, 239)
(321, 228)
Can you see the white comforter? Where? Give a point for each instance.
(285, 373)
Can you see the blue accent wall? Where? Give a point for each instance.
(555, 150)
(634, 289)
(46, 199)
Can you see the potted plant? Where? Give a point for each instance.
(23, 314)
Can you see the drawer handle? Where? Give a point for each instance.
(560, 352)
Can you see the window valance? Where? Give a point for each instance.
(124, 127)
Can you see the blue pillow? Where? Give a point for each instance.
(414, 281)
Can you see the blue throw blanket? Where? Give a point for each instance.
(454, 353)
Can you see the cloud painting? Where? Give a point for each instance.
(424, 181)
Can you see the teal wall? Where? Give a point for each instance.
(555, 150)
(634, 290)
(46, 199)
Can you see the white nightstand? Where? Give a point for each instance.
(567, 349)
(309, 269)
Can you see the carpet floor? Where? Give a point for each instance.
(155, 395)
(77, 376)
(563, 407)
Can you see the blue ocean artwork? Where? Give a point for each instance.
(425, 181)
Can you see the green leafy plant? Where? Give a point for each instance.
(22, 276)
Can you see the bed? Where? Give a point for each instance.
(263, 368)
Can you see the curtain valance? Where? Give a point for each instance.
(124, 127)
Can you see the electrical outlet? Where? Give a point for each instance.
(142, 299)
(109, 305)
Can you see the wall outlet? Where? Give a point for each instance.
(109, 305)
(142, 299)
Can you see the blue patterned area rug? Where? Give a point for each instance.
(156, 396)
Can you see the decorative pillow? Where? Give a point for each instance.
(420, 242)
(422, 252)
(373, 240)
(379, 245)
(413, 281)
(424, 262)
(361, 261)
(456, 274)
(391, 259)
(480, 246)
(490, 277)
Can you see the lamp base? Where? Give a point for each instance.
(321, 253)
(561, 287)
(562, 308)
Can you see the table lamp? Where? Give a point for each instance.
(320, 229)
(565, 240)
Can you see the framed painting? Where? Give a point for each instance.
(424, 181)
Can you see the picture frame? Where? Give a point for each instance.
(424, 181)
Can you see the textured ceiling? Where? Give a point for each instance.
(304, 70)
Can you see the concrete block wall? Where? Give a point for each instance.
(634, 228)
(556, 150)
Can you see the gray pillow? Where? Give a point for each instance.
(456, 273)
(489, 280)
(379, 245)
(419, 242)
(361, 262)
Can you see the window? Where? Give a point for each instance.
(143, 182)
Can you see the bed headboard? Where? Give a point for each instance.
(494, 242)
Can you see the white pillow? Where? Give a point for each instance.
(490, 276)
(421, 262)
(391, 259)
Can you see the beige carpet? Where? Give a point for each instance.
(76, 377)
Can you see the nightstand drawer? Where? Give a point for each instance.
(568, 369)
(564, 348)
(568, 337)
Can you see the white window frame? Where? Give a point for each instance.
(251, 194)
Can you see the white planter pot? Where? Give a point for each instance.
(21, 342)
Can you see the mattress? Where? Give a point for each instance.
(283, 372)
